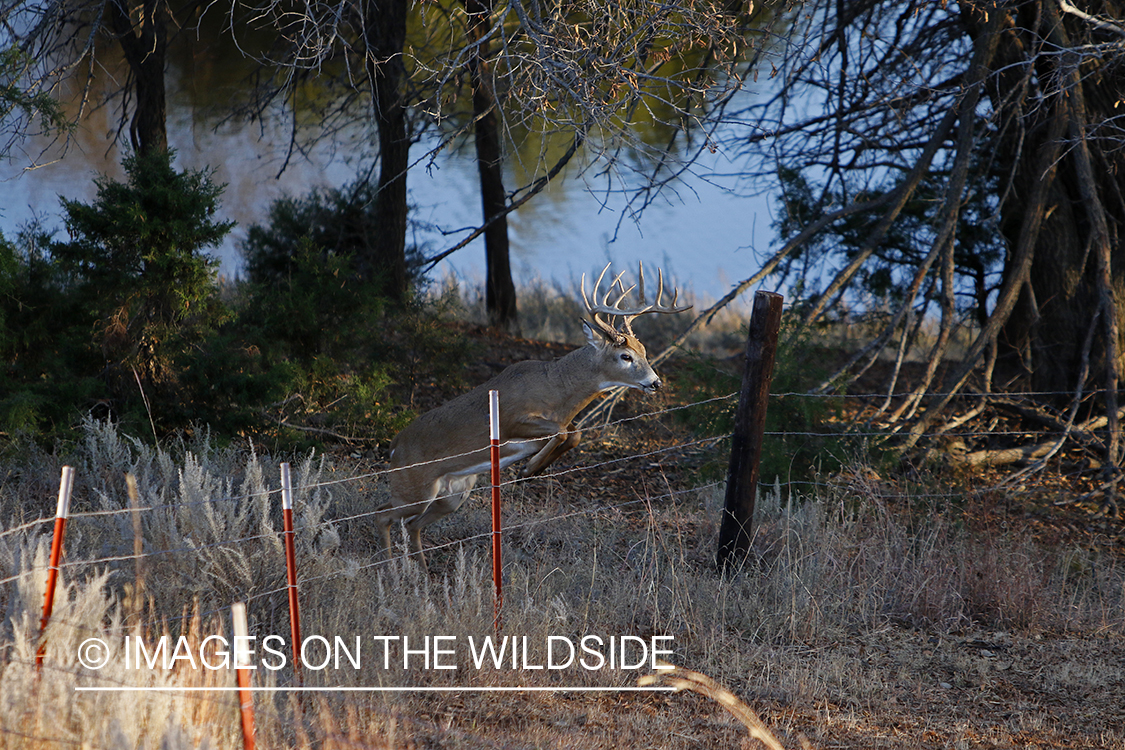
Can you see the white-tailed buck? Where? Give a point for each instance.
(435, 459)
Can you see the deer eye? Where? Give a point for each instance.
(626, 357)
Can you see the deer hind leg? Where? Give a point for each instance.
(408, 500)
(451, 494)
(551, 452)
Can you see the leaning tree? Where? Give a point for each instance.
(72, 41)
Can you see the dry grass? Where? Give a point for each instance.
(853, 623)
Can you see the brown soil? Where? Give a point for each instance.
(969, 690)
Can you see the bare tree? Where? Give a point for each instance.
(620, 80)
(63, 38)
(384, 35)
(1004, 111)
(24, 107)
(141, 29)
(500, 290)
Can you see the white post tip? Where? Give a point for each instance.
(286, 488)
(494, 415)
(66, 486)
(242, 649)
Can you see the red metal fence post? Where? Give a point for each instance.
(241, 664)
(494, 449)
(291, 567)
(62, 510)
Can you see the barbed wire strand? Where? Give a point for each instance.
(266, 492)
(382, 509)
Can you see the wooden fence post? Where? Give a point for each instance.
(494, 455)
(138, 596)
(749, 427)
(62, 511)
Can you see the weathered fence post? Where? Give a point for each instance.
(749, 427)
(138, 596)
(494, 455)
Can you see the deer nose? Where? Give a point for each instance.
(654, 386)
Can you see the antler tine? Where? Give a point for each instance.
(598, 283)
(596, 310)
(658, 308)
(624, 292)
(628, 314)
(604, 307)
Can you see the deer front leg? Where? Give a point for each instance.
(551, 452)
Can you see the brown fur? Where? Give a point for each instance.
(436, 458)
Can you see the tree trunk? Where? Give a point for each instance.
(1067, 286)
(385, 254)
(145, 47)
(500, 291)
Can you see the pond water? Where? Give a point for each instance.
(701, 230)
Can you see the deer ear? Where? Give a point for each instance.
(594, 336)
(588, 331)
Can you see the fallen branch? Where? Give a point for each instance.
(684, 679)
(1004, 456)
(320, 431)
(1044, 418)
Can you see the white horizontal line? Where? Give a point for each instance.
(374, 689)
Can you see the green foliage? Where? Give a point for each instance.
(21, 105)
(319, 326)
(317, 307)
(978, 252)
(138, 247)
(354, 401)
(811, 441)
(47, 366)
(338, 222)
(136, 262)
(353, 360)
(429, 353)
(125, 320)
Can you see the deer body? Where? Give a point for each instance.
(436, 458)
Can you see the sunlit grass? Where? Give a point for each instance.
(835, 567)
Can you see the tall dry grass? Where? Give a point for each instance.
(826, 569)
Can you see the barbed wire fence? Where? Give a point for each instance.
(856, 427)
(711, 441)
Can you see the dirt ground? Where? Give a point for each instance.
(970, 690)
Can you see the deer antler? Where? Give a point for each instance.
(628, 314)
